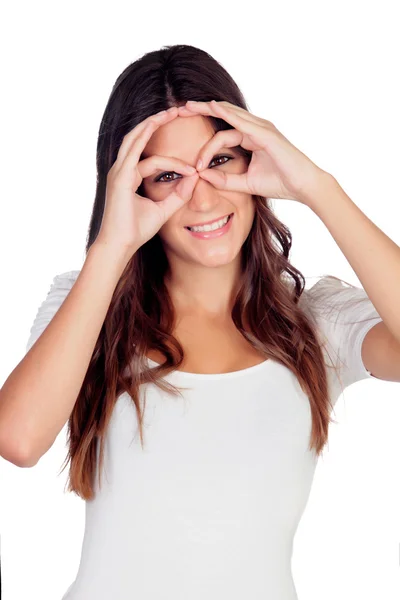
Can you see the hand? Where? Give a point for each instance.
(130, 220)
(277, 168)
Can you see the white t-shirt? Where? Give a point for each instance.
(209, 509)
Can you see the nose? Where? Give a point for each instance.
(205, 197)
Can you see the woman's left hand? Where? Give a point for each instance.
(277, 169)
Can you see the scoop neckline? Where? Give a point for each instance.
(213, 376)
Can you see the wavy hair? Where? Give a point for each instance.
(141, 315)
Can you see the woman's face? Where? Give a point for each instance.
(183, 138)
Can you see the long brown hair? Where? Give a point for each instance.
(141, 314)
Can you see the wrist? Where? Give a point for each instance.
(315, 194)
(113, 256)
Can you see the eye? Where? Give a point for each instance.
(215, 158)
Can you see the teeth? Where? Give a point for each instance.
(212, 227)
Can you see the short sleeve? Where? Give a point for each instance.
(59, 290)
(344, 315)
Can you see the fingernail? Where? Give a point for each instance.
(199, 164)
(190, 168)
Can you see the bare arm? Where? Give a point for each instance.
(38, 396)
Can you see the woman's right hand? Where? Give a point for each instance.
(129, 220)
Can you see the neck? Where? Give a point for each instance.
(204, 291)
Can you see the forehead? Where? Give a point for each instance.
(182, 137)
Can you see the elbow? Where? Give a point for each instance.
(16, 454)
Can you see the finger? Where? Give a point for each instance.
(130, 162)
(180, 196)
(245, 123)
(188, 112)
(158, 119)
(213, 103)
(148, 166)
(233, 182)
(227, 138)
(126, 167)
(220, 112)
(218, 109)
(242, 112)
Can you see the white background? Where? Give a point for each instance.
(326, 74)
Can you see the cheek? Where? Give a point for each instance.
(253, 203)
(248, 205)
(251, 212)
(142, 191)
(168, 231)
(149, 190)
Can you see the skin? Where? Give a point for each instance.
(205, 273)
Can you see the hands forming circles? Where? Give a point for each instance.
(277, 169)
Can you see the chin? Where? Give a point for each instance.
(214, 257)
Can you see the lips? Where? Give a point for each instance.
(209, 222)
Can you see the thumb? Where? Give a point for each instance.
(233, 182)
(182, 194)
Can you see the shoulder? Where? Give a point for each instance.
(325, 290)
(331, 296)
(62, 282)
(343, 314)
(67, 277)
(59, 287)
(58, 290)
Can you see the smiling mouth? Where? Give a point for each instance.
(208, 222)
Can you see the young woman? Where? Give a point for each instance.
(196, 373)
